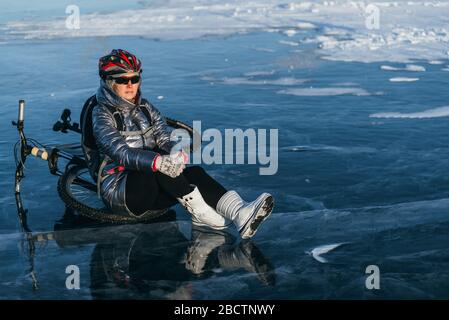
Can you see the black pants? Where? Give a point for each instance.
(154, 190)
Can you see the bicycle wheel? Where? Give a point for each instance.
(78, 191)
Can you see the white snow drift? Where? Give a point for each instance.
(407, 30)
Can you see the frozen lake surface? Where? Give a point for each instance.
(362, 118)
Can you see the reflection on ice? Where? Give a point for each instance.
(157, 260)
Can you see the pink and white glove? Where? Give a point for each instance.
(184, 156)
(170, 165)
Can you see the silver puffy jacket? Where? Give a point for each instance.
(130, 148)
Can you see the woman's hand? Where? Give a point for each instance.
(170, 165)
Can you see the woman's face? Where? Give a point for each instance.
(126, 90)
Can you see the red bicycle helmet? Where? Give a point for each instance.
(118, 62)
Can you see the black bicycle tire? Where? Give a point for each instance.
(66, 179)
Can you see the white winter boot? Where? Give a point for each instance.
(246, 216)
(203, 214)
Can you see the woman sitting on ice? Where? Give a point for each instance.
(133, 163)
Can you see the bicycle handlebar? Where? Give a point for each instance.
(39, 153)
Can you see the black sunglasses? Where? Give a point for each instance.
(124, 80)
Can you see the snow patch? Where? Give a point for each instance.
(258, 73)
(403, 79)
(325, 91)
(408, 67)
(426, 114)
(317, 252)
(275, 82)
